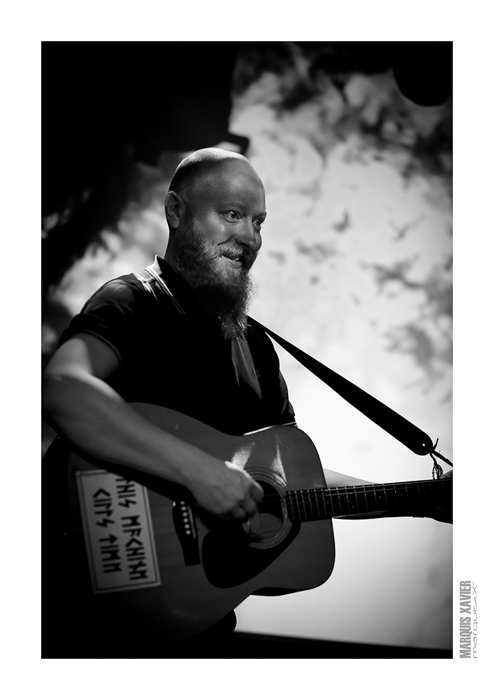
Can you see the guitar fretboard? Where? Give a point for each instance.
(318, 504)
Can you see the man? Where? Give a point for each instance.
(179, 338)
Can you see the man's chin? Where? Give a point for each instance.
(229, 289)
(230, 271)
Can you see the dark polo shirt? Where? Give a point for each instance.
(181, 360)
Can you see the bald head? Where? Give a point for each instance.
(199, 168)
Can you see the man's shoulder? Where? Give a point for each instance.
(131, 280)
(125, 289)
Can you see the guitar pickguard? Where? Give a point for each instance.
(229, 560)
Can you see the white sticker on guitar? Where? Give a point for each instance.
(118, 532)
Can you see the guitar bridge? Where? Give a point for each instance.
(185, 527)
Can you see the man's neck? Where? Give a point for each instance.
(169, 258)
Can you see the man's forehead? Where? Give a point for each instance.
(229, 178)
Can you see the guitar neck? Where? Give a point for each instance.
(406, 496)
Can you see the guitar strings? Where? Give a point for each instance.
(350, 496)
(359, 490)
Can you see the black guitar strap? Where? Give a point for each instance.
(390, 421)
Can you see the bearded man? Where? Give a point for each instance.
(178, 337)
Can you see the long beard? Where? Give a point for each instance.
(217, 292)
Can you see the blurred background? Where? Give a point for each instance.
(354, 144)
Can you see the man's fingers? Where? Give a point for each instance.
(249, 506)
(238, 513)
(234, 496)
(256, 492)
(246, 508)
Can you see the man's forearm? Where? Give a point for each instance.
(96, 420)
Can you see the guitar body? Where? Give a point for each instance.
(141, 558)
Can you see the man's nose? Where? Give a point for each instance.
(249, 236)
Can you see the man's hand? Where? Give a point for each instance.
(226, 491)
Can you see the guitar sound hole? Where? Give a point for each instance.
(271, 503)
(270, 524)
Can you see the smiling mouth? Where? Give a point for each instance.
(235, 259)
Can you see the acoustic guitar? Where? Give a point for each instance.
(136, 549)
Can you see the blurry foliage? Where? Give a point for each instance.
(356, 91)
(364, 174)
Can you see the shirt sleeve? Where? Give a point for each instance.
(275, 389)
(112, 314)
(287, 411)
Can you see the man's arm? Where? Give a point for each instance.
(79, 403)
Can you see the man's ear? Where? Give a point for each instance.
(174, 209)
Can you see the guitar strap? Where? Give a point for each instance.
(393, 423)
(386, 418)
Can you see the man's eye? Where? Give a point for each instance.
(233, 214)
(258, 222)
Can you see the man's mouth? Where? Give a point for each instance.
(235, 259)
